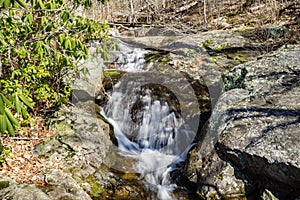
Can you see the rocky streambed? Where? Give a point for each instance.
(247, 123)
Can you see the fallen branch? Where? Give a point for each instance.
(186, 7)
(26, 139)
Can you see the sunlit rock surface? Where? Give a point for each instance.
(256, 122)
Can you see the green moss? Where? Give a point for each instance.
(244, 31)
(237, 57)
(159, 57)
(111, 73)
(4, 184)
(96, 188)
(208, 43)
(111, 77)
(213, 196)
(214, 48)
(235, 78)
(220, 176)
(220, 47)
(151, 57)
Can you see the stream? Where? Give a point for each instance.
(151, 114)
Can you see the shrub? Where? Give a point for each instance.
(40, 43)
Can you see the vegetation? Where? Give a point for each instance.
(41, 43)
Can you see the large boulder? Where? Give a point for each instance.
(58, 186)
(208, 174)
(84, 146)
(261, 137)
(255, 126)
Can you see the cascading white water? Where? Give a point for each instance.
(156, 139)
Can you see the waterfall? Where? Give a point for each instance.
(147, 128)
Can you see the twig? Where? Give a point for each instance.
(26, 139)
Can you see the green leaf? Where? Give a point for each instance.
(1, 2)
(26, 101)
(41, 4)
(1, 106)
(43, 21)
(24, 113)
(11, 118)
(60, 39)
(65, 44)
(65, 16)
(17, 104)
(105, 55)
(86, 51)
(22, 3)
(3, 124)
(73, 44)
(6, 101)
(10, 127)
(85, 71)
(33, 2)
(99, 50)
(52, 5)
(7, 3)
(12, 12)
(68, 44)
(29, 18)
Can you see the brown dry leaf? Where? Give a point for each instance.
(24, 166)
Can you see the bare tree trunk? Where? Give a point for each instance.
(204, 13)
(131, 17)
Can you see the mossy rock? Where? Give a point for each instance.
(95, 189)
(235, 79)
(4, 184)
(108, 182)
(111, 77)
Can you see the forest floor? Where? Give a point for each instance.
(21, 164)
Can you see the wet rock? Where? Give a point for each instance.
(108, 183)
(213, 177)
(226, 48)
(111, 77)
(186, 98)
(204, 56)
(84, 148)
(267, 195)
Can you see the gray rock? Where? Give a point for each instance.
(267, 195)
(63, 186)
(261, 136)
(84, 148)
(88, 81)
(59, 186)
(11, 190)
(253, 133)
(214, 177)
(203, 56)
